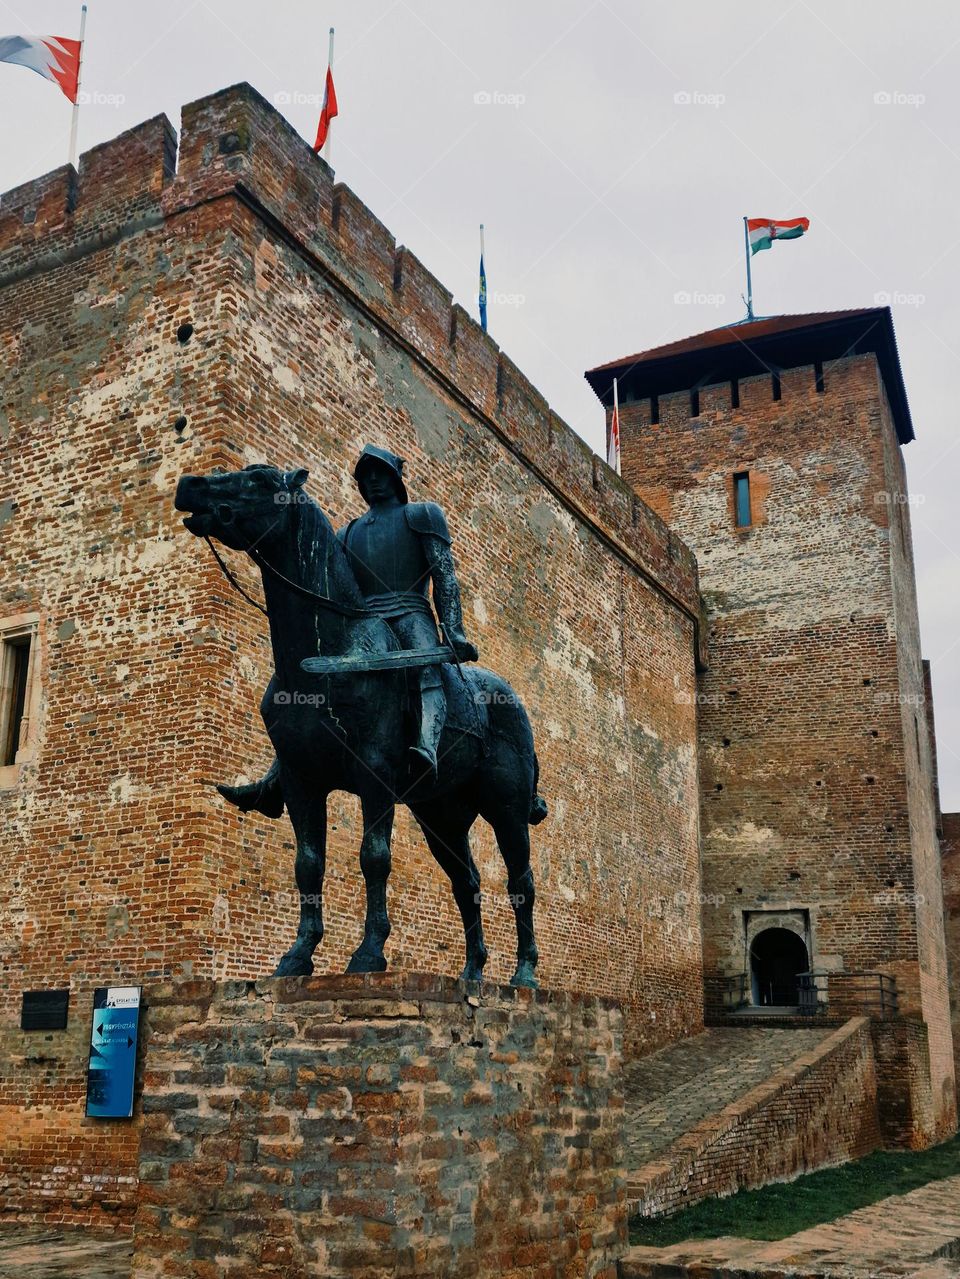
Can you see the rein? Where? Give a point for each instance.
(346, 610)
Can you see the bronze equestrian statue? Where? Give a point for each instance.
(367, 698)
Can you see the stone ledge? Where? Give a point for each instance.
(396, 986)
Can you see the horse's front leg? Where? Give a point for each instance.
(377, 806)
(308, 816)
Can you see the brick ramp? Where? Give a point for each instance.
(734, 1108)
(915, 1235)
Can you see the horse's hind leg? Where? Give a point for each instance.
(308, 815)
(513, 840)
(447, 837)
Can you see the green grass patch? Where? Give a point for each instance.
(774, 1212)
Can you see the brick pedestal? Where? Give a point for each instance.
(389, 1125)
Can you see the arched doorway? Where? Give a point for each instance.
(777, 957)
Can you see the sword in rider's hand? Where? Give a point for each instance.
(449, 642)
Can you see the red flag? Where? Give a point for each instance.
(54, 57)
(613, 444)
(328, 112)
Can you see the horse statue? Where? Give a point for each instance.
(347, 727)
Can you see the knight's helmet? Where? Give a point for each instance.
(373, 456)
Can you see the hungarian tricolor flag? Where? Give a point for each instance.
(328, 111)
(763, 231)
(54, 57)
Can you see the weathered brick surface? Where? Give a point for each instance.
(914, 1234)
(819, 1109)
(950, 863)
(817, 789)
(905, 1098)
(311, 334)
(671, 1091)
(950, 848)
(398, 1125)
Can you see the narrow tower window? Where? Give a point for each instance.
(15, 664)
(741, 499)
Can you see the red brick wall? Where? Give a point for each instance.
(819, 1111)
(950, 845)
(813, 796)
(312, 334)
(384, 1127)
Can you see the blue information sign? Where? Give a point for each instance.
(113, 1052)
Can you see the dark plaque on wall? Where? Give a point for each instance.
(113, 1052)
(44, 1009)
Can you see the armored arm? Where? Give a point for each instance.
(427, 519)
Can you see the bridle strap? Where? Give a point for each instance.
(232, 580)
(346, 610)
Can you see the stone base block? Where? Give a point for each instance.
(391, 1124)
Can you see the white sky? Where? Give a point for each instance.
(603, 196)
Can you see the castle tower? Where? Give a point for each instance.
(774, 449)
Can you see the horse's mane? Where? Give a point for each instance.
(319, 561)
(323, 562)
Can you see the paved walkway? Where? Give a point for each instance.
(46, 1252)
(913, 1236)
(671, 1090)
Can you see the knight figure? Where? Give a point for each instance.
(396, 550)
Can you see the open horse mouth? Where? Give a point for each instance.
(204, 515)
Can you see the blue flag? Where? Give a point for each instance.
(483, 295)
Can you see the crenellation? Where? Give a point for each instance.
(521, 410)
(796, 384)
(423, 307)
(715, 398)
(125, 175)
(756, 395)
(475, 360)
(366, 249)
(674, 410)
(33, 215)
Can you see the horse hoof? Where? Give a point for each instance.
(524, 976)
(472, 972)
(294, 965)
(363, 963)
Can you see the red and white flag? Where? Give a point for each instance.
(54, 57)
(613, 444)
(328, 111)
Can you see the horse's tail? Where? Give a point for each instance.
(538, 805)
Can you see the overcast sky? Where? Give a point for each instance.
(620, 146)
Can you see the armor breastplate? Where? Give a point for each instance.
(386, 555)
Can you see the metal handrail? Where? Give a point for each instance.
(841, 993)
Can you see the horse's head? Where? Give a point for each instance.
(240, 508)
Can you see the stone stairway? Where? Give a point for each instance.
(702, 1114)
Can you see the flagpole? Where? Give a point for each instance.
(616, 419)
(746, 246)
(326, 145)
(74, 159)
(483, 282)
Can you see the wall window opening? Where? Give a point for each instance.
(14, 674)
(743, 516)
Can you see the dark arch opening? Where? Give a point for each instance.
(777, 957)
